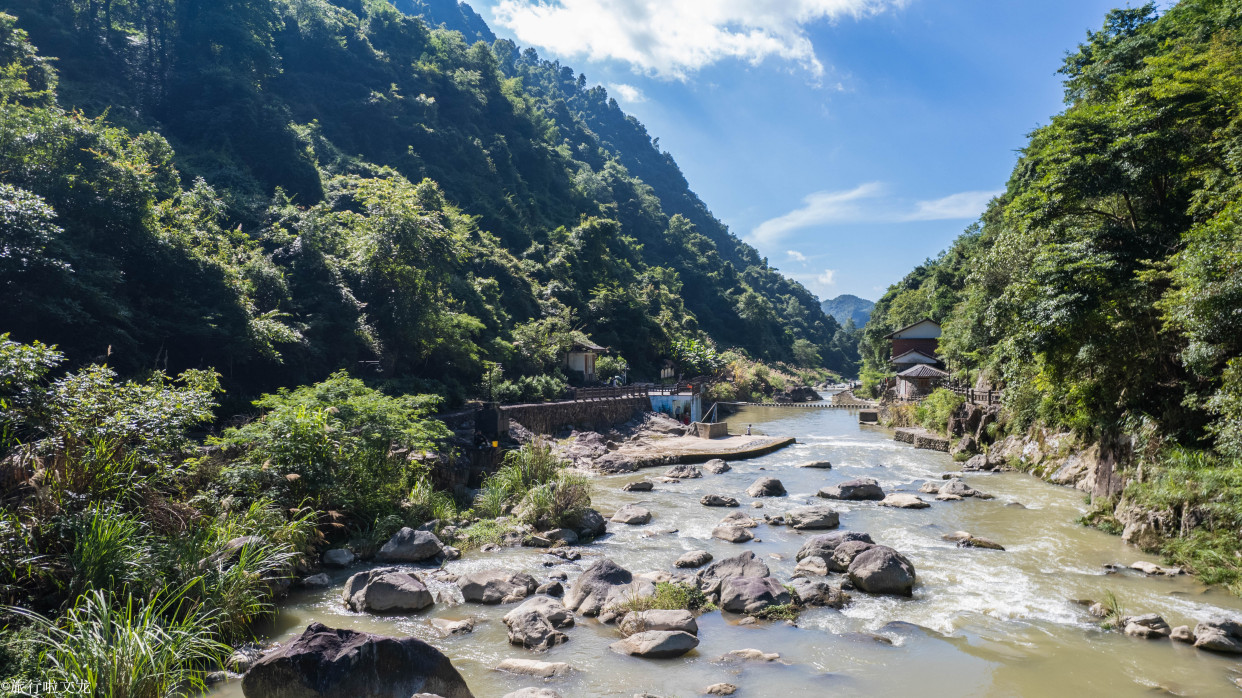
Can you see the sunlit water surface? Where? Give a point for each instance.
(988, 622)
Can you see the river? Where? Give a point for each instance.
(989, 623)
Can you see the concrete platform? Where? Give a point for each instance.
(654, 451)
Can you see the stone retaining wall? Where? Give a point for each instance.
(551, 417)
(921, 438)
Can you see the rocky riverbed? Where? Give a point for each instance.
(978, 587)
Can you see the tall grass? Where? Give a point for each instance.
(125, 648)
(111, 550)
(529, 466)
(428, 503)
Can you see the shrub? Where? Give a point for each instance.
(673, 596)
(428, 503)
(785, 611)
(479, 534)
(110, 551)
(492, 500)
(159, 648)
(935, 410)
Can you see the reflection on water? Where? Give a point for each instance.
(984, 622)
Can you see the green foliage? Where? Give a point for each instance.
(110, 551)
(136, 648)
(609, 366)
(934, 411)
(1114, 613)
(673, 596)
(479, 534)
(535, 484)
(787, 611)
(339, 442)
(695, 358)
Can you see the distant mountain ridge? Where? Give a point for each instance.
(451, 14)
(846, 307)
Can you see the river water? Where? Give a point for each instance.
(983, 622)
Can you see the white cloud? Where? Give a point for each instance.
(673, 38)
(828, 278)
(627, 93)
(796, 256)
(867, 203)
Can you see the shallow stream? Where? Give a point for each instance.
(989, 623)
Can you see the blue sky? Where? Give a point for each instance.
(848, 140)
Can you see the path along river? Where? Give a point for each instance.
(991, 623)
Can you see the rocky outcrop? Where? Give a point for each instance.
(590, 524)
(766, 487)
(718, 500)
(326, 662)
(386, 590)
(861, 489)
(536, 624)
(738, 518)
(408, 545)
(816, 464)
(656, 644)
(752, 594)
(338, 557)
(844, 555)
(496, 586)
(882, 570)
(813, 518)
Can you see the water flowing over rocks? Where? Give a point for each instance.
(326, 662)
(531, 692)
(861, 489)
(496, 586)
(817, 464)
(408, 545)
(386, 590)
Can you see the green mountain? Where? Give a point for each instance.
(845, 307)
(282, 188)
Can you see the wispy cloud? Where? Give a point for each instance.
(627, 93)
(674, 38)
(868, 203)
(796, 256)
(828, 278)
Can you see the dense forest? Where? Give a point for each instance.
(278, 190)
(1103, 289)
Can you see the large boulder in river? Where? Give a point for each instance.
(814, 517)
(592, 591)
(882, 570)
(327, 662)
(825, 544)
(766, 487)
(1219, 635)
(718, 500)
(632, 514)
(742, 565)
(386, 590)
(656, 644)
(861, 489)
(817, 592)
(683, 472)
(716, 466)
(732, 534)
(590, 524)
(496, 586)
(845, 553)
(752, 594)
(408, 545)
(658, 619)
(901, 500)
(536, 623)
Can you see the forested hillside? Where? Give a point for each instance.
(278, 189)
(845, 308)
(1103, 289)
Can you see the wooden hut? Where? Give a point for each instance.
(917, 382)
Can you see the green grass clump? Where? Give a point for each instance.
(671, 596)
(784, 611)
(479, 534)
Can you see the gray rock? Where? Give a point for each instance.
(1219, 635)
(931, 487)
(961, 489)
(552, 588)
(732, 534)
(813, 518)
(317, 581)
(532, 667)
(496, 586)
(737, 518)
(683, 472)
(642, 621)
(640, 486)
(693, 558)
(752, 655)
(537, 622)
(408, 545)
(977, 463)
(326, 662)
(590, 524)
(766, 487)
(592, 590)
(720, 689)
(656, 644)
(632, 514)
(752, 594)
(448, 627)
(741, 565)
(718, 500)
(1183, 633)
(845, 553)
(903, 501)
(824, 544)
(861, 489)
(338, 557)
(716, 466)
(386, 590)
(817, 592)
(813, 566)
(243, 658)
(979, 542)
(882, 570)
(1149, 627)
(817, 464)
(561, 535)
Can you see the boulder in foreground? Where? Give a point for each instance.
(882, 570)
(656, 644)
(408, 545)
(328, 662)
